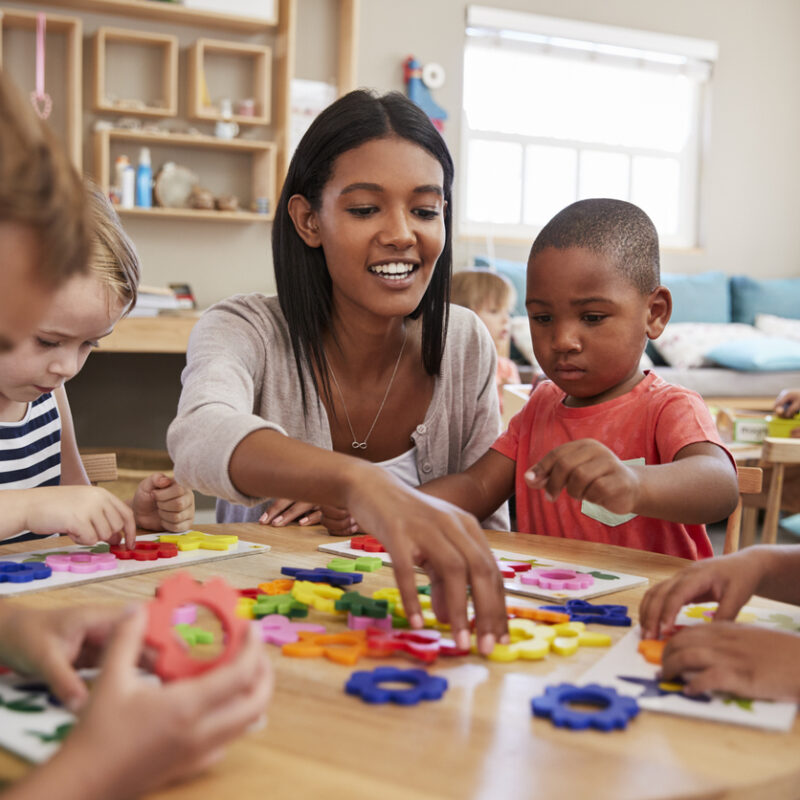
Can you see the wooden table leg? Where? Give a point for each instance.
(749, 523)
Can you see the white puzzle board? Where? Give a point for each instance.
(59, 580)
(624, 660)
(605, 581)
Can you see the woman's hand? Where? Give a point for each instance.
(281, 512)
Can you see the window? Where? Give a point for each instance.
(558, 110)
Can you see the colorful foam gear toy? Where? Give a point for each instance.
(369, 544)
(278, 586)
(342, 648)
(584, 611)
(277, 629)
(14, 572)
(192, 634)
(286, 604)
(367, 686)
(319, 596)
(323, 575)
(508, 569)
(543, 614)
(652, 650)
(195, 540)
(145, 551)
(614, 710)
(423, 645)
(174, 660)
(81, 562)
(556, 579)
(356, 623)
(361, 564)
(360, 606)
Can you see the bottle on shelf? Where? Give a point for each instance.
(124, 182)
(144, 180)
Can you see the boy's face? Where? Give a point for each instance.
(23, 296)
(589, 324)
(82, 312)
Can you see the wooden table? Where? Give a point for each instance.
(480, 741)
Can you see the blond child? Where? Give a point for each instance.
(46, 487)
(177, 729)
(602, 450)
(491, 297)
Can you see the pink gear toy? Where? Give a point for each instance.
(556, 579)
(174, 658)
(81, 562)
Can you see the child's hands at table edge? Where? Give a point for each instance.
(787, 404)
(744, 660)
(87, 514)
(150, 735)
(161, 504)
(698, 486)
(447, 543)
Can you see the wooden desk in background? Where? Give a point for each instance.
(480, 741)
(162, 334)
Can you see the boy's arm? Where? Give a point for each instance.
(72, 471)
(481, 488)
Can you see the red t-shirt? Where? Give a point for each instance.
(653, 421)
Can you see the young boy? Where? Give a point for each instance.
(602, 451)
(741, 659)
(174, 729)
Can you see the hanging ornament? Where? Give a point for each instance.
(40, 100)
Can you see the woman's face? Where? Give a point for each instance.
(381, 226)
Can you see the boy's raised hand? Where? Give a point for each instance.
(744, 660)
(161, 504)
(588, 470)
(87, 514)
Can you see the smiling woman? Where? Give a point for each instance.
(362, 255)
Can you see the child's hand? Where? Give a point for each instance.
(744, 660)
(787, 404)
(52, 644)
(282, 511)
(160, 504)
(588, 470)
(87, 514)
(338, 521)
(731, 580)
(149, 734)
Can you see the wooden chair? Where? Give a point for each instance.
(100, 466)
(750, 479)
(776, 453)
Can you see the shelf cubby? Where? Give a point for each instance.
(62, 68)
(214, 64)
(162, 78)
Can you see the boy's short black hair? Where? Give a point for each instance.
(618, 230)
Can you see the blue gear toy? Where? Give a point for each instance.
(14, 572)
(323, 575)
(583, 611)
(366, 685)
(614, 710)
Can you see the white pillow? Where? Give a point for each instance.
(685, 344)
(778, 326)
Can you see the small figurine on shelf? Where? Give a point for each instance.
(227, 202)
(226, 128)
(201, 198)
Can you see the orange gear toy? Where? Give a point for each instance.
(174, 658)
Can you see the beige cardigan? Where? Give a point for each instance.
(241, 376)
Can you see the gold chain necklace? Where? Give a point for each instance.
(356, 445)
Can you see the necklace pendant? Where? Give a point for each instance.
(359, 445)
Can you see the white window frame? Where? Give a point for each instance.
(694, 50)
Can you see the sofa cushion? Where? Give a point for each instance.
(704, 297)
(685, 344)
(517, 274)
(778, 326)
(777, 296)
(762, 353)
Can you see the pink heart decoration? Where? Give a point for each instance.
(42, 104)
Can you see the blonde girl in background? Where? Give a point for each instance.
(491, 297)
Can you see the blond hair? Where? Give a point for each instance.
(113, 257)
(478, 288)
(41, 189)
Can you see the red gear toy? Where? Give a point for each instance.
(174, 658)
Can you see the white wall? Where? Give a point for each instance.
(752, 170)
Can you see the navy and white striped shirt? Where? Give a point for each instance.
(30, 450)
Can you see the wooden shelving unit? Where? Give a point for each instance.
(72, 29)
(168, 45)
(162, 334)
(261, 58)
(166, 12)
(263, 173)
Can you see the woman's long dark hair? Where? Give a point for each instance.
(301, 274)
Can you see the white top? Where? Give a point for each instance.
(403, 467)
